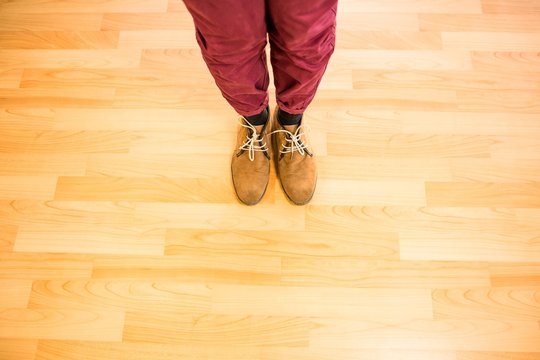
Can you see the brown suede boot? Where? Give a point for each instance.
(250, 165)
(296, 165)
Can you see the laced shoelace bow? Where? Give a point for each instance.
(251, 142)
(295, 141)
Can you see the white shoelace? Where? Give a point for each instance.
(295, 141)
(251, 143)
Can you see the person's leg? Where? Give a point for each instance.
(232, 38)
(302, 39)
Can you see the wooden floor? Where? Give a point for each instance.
(121, 237)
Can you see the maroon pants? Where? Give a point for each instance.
(232, 35)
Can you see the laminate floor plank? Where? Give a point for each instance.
(121, 236)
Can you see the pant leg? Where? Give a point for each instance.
(232, 38)
(302, 40)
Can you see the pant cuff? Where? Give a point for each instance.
(290, 110)
(256, 111)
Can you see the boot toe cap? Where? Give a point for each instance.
(250, 186)
(300, 192)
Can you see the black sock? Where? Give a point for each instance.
(285, 118)
(259, 119)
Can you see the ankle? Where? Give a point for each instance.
(286, 118)
(258, 119)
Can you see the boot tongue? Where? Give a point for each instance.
(291, 128)
(258, 128)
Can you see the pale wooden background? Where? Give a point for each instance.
(121, 238)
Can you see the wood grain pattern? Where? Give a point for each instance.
(373, 304)
(32, 164)
(55, 6)
(515, 274)
(483, 194)
(218, 329)
(76, 142)
(510, 7)
(388, 40)
(69, 58)
(492, 355)
(471, 335)
(11, 78)
(27, 187)
(487, 41)
(517, 61)
(409, 145)
(120, 294)
(496, 22)
(15, 293)
(421, 6)
(59, 40)
(519, 303)
(124, 21)
(125, 78)
(363, 273)
(50, 21)
(18, 349)
(142, 189)
(61, 324)
(121, 236)
(212, 268)
(90, 239)
(8, 233)
(31, 266)
(457, 246)
(402, 218)
(344, 244)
